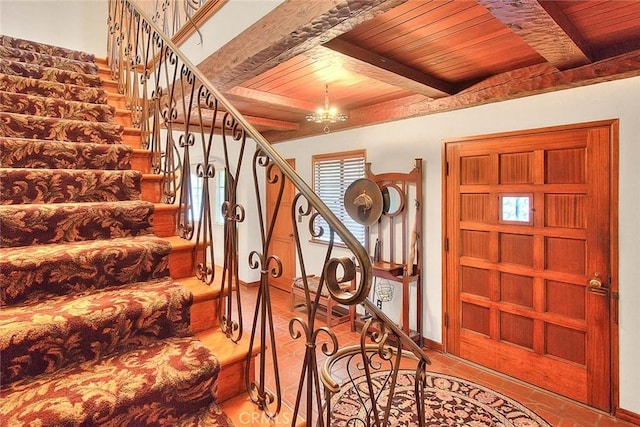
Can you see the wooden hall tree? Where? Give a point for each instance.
(398, 234)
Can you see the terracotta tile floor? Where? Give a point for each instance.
(558, 411)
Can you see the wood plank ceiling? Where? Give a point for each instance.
(387, 60)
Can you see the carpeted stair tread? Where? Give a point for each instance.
(18, 43)
(47, 60)
(35, 71)
(33, 273)
(20, 103)
(41, 338)
(34, 153)
(38, 224)
(153, 385)
(35, 87)
(26, 126)
(19, 186)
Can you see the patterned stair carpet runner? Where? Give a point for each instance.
(93, 331)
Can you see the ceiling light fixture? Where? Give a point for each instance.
(326, 115)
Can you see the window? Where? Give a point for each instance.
(516, 209)
(196, 195)
(220, 195)
(332, 174)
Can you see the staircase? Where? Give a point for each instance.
(98, 304)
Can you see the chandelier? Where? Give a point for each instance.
(326, 115)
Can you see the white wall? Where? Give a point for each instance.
(74, 24)
(233, 18)
(392, 147)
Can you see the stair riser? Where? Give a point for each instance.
(181, 262)
(104, 72)
(205, 315)
(116, 100)
(141, 161)
(132, 138)
(151, 189)
(110, 86)
(123, 117)
(230, 382)
(165, 222)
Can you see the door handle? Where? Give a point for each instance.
(595, 284)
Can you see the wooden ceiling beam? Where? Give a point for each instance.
(292, 28)
(207, 119)
(370, 64)
(266, 98)
(514, 84)
(551, 35)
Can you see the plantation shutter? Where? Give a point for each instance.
(332, 177)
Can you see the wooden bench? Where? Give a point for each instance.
(333, 313)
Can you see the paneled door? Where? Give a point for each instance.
(528, 256)
(282, 244)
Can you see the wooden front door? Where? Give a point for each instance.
(528, 270)
(282, 244)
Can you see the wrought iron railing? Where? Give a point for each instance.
(183, 119)
(171, 15)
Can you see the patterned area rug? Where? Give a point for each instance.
(449, 401)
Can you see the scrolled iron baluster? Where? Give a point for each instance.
(186, 213)
(171, 162)
(142, 115)
(233, 213)
(230, 308)
(186, 141)
(165, 7)
(204, 237)
(419, 388)
(269, 266)
(380, 337)
(155, 137)
(263, 317)
(310, 370)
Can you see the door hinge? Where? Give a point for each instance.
(446, 320)
(446, 244)
(446, 168)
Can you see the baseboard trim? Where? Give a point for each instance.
(250, 284)
(432, 345)
(625, 415)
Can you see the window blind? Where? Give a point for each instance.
(332, 177)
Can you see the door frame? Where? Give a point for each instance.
(613, 125)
